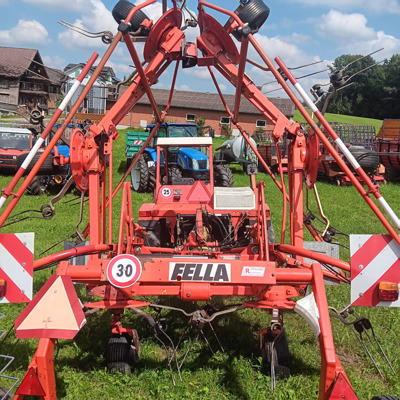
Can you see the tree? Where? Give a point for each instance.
(373, 93)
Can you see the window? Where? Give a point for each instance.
(191, 117)
(261, 123)
(225, 120)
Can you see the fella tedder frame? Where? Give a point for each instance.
(195, 241)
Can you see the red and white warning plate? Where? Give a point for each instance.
(374, 259)
(124, 270)
(16, 266)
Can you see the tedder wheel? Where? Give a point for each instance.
(122, 353)
(385, 397)
(140, 175)
(174, 173)
(37, 186)
(121, 11)
(223, 176)
(254, 12)
(392, 174)
(275, 349)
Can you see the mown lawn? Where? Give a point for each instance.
(236, 373)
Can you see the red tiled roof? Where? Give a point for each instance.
(212, 101)
(13, 61)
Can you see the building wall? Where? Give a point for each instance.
(9, 89)
(212, 118)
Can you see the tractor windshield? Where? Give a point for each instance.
(182, 131)
(13, 140)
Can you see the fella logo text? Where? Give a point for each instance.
(200, 272)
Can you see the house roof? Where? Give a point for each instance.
(103, 74)
(212, 101)
(14, 61)
(56, 76)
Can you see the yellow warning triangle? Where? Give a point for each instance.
(55, 312)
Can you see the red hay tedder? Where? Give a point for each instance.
(195, 241)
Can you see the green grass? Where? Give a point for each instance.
(236, 374)
(344, 119)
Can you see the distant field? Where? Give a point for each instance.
(345, 119)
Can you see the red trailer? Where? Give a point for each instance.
(388, 147)
(194, 241)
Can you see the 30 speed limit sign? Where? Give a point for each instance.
(124, 270)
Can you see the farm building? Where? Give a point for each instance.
(25, 82)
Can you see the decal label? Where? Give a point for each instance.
(124, 270)
(166, 192)
(199, 272)
(253, 271)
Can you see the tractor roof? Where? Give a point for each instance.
(184, 141)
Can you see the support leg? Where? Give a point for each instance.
(40, 379)
(330, 365)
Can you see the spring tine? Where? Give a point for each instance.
(382, 351)
(366, 350)
(216, 337)
(181, 337)
(187, 351)
(173, 353)
(205, 339)
(168, 357)
(78, 29)
(272, 363)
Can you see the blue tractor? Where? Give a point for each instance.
(182, 162)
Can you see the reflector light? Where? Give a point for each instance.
(144, 213)
(3, 285)
(388, 291)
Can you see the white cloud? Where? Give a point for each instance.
(347, 27)
(25, 33)
(95, 18)
(183, 87)
(381, 6)
(54, 62)
(352, 34)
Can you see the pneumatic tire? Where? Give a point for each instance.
(392, 174)
(121, 11)
(174, 173)
(46, 168)
(37, 186)
(140, 175)
(368, 159)
(223, 176)
(255, 13)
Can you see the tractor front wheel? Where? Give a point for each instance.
(37, 186)
(223, 176)
(140, 175)
(174, 173)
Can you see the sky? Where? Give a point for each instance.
(300, 32)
